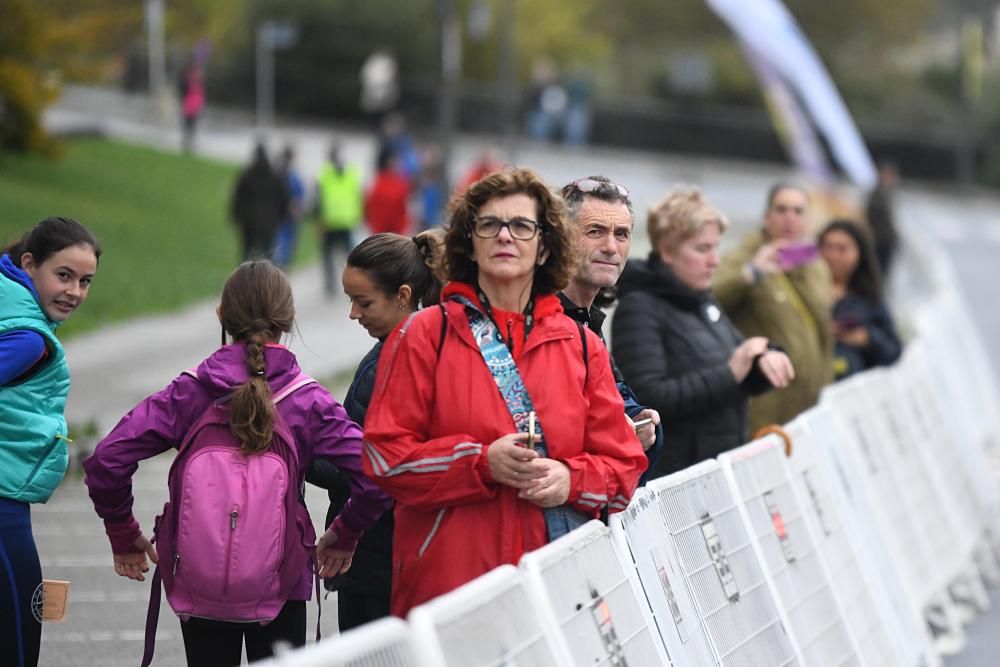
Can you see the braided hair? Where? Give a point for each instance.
(256, 309)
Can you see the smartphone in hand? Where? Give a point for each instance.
(846, 323)
(642, 422)
(797, 254)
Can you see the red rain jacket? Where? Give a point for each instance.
(433, 417)
(386, 204)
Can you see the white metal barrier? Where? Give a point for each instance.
(759, 478)
(718, 564)
(863, 580)
(451, 627)
(643, 540)
(384, 643)
(895, 502)
(588, 602)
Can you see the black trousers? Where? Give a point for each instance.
(333, 239)
(20, 582)
(355, 609)
(220, 643)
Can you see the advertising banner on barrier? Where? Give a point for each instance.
(767, 28)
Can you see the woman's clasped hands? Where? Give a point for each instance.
(539, 480)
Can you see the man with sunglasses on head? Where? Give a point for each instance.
(601, 220)
(777, 286)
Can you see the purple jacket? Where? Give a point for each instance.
(319, 423)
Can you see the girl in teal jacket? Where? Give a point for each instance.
(44, 278)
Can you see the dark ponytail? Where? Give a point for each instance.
(256, 308)
(392, 260)
(49, 237)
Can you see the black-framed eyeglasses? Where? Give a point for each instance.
(488, 227)
(590, 185)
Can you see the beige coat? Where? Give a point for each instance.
(767, 309)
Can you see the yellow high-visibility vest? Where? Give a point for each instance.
(340, 205)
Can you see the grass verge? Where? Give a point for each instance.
(162, 219)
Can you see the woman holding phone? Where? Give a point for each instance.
(862, 325)
(774, 284)
(677, 350)
(448, 429)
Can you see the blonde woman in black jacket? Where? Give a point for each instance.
(677, 350)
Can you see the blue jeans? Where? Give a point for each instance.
(284, 243)
(561, 520)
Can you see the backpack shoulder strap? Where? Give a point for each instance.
(299, 381)
(152, 619)
(583, 342)
(444, 328)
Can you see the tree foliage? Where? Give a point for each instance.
(25, 88)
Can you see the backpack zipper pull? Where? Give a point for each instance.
(177, 559)
(232, 519)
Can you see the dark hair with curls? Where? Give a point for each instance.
(392, 260)
(866, 279)
(256, 308)
(551, 276)
(49, 237)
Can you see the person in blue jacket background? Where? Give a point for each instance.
(44, 277)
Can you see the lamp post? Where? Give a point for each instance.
(271, 35)
(156, 53)
(451, 66)
(507, 80)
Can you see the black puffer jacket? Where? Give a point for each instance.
(673, 345)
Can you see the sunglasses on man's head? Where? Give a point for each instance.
(590, 185)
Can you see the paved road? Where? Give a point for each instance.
(114, 368)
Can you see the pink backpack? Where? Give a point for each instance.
(235, 535)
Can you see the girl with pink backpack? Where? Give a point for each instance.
(234, 546)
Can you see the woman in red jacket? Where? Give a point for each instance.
(495, 422)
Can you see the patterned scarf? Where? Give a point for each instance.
(558, 520)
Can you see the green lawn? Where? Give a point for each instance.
(161, 219)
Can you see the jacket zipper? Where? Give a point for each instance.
(234, 516)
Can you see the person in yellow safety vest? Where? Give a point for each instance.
(339, 209)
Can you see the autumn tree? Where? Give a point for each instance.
(25, 87)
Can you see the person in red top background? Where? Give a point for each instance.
(386, 206)
(486, 163)
(446, 434)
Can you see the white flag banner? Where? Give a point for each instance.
(793, 127)
(767, 28)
